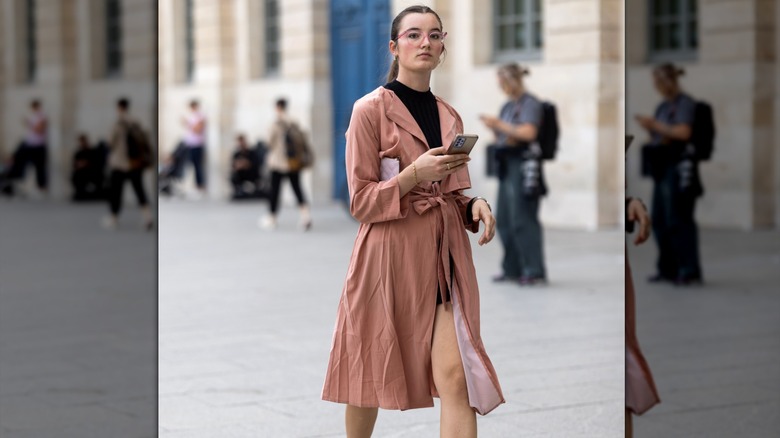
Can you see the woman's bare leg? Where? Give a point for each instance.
(360, 421)
(458, 420)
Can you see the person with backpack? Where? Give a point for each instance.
(289, 153)
(521, 179)
(129, 155)
(672, 161)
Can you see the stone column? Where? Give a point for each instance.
(777, 116)
(321, 176)
(5, 148)
(736, 62)
(56, 85)
(212, 86)
(227, 97)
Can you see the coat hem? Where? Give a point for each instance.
(374, 405)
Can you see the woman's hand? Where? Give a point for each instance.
(434, 165)
(637, 212)
(480, 211)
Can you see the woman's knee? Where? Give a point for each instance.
(450, 380)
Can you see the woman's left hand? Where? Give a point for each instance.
(481, 212)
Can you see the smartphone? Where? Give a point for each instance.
(462, 144)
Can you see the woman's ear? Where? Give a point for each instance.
(392, 46)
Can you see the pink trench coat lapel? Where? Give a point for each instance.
(380, 353)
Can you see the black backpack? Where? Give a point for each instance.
(548, 131)
(703, 131)
(139, 150)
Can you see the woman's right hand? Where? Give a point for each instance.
(434, 164)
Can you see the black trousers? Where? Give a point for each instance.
(239, 177)
(276, 182)
(195, 155)
(674, 227)
(87, 184)
(37, 156)
(117, 185)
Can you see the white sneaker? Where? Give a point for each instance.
(109, 223)
(305, 223)
(267, 223)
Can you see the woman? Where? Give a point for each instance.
(676, 180)
(407, 327)
(521, 180)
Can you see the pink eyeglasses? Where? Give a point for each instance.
(416, 36)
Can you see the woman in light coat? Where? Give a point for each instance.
(394, 346)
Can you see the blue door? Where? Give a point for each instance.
(360, 31)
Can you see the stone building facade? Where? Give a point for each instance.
(579, 67)
(733, 66)
(58, 52)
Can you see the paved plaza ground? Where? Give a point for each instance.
(245, 319)
(714, 349)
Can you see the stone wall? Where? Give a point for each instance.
(75, 94)
(735, 71)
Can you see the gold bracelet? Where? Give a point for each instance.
(414, 170)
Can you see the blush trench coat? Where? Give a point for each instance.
(381, 348)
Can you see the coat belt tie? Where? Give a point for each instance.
(424, 202)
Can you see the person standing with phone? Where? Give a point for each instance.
(521, 180)
(407, 325)
(676, 181)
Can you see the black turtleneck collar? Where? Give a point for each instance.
(422, 105)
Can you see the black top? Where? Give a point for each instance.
(422, 106)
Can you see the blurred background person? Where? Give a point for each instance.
(6, 182)
(171, 170)
(195, 141)
(88, 170)
(245, 170)
(284, 163)
(130, 154)
(521, 180)
(33, 149)
(670, 159)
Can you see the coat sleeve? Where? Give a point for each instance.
(371, 200)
